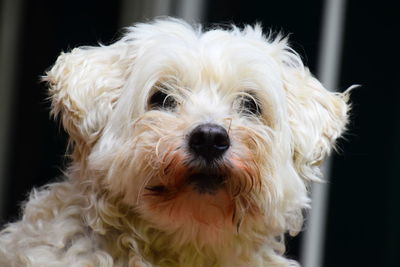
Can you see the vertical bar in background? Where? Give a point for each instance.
(9, 33)
(191, 10)
(142, 10)
(312, 249)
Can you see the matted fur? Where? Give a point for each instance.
(104, 213)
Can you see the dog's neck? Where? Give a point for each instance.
(122, 232)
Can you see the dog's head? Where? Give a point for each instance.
(200, 132)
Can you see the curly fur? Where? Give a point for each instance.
(103, 213)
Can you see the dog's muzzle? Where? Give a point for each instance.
(209, 141)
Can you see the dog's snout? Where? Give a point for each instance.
(209, 141)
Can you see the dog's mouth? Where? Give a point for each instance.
(206, 182)
(202, 182)
(194, 193)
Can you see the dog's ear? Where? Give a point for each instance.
(317, 117)
(84, 87)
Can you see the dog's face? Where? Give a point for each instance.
(199, 132)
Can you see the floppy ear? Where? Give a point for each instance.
(317, 117)
(84, 87)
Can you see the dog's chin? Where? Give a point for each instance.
(199, 203)
(200, 200)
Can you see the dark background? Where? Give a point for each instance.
(363, 214)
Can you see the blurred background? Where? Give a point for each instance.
(355, 220)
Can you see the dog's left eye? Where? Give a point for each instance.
(161, 100)
(249, 105)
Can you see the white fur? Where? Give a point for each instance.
(102, 214)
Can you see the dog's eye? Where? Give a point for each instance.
(160, 100)
(249, 105)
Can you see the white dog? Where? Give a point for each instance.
(188, 148)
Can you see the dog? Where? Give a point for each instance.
(188, 147)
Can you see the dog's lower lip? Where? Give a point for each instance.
(206, 182)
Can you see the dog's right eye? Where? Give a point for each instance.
(161, 100)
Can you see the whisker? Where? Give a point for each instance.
(143, 186)
(157, 188)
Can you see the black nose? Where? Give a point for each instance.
(209, 141)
